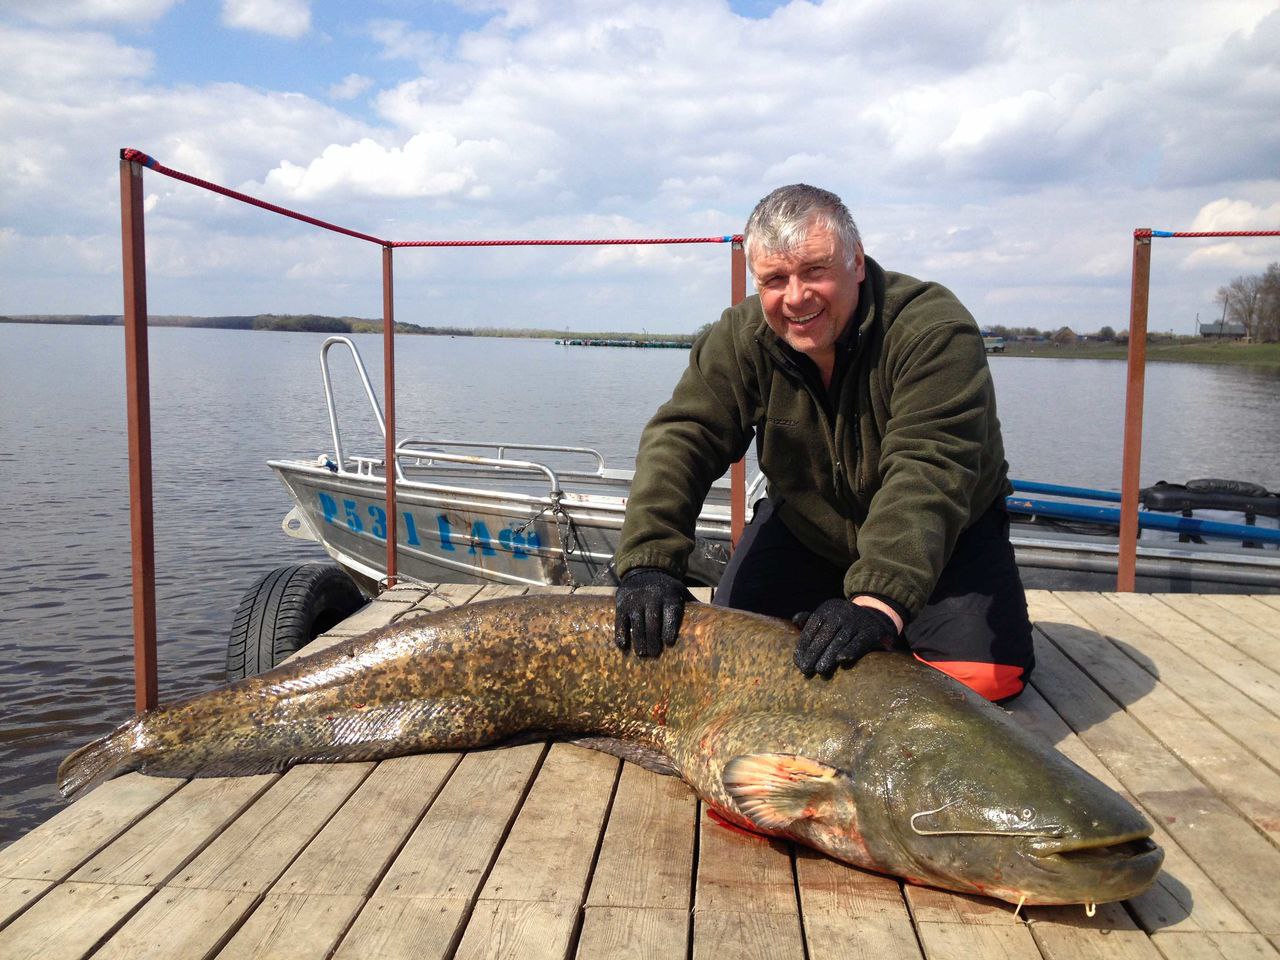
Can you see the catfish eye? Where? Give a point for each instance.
(1026, 813)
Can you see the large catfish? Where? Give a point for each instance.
(888, 765)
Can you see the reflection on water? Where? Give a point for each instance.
(224, 402)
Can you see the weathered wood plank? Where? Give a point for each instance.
(405, 928)
(646, 859)
(59, 845)
(292, 927)
(766, 935)
(1248, 722)
(977, 941)
(519, 929)
(1235, 774)
(1241, 671)
(440, 597)
(1255, 613)
(1214, 946)
(1224, 623)
(253, 851)
(178, 925)
(449, 852)
(633, 933)
(1066, 933)
(1228, 849)
(740, 872)
(352, 851)
(940, 906)
(70, 921)
(849, 912)
(551, 846)
(1183, 897)
(17, 895)
(496, 591)
(174, 832)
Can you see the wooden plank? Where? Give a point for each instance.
(633, 933)
(740, 872)
(1183, 897)
(405, 928)
(352, 851)
(496, 591)
(646, 860)
(70, 921)
(1214, 946)
(929, 905)
(976, 941)
(292, 927)
(1233, 772)
(1241, 671)
(1247, 721)
(1223, 623)
(17, 895)
(159, 844)
(374, 614)
(549, 851)
(1255, 613)
(253, 851)
(443, 596)
(767, 935)
(55, 848)
(519, 930)
(1238, 860)
(836, 898)
(1066, 933)
(449, 852)
(178, 925)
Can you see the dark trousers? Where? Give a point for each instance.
(974, 626)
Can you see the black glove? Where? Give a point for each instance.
(840, 633)
(649, 605)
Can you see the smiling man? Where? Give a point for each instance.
(874, 415)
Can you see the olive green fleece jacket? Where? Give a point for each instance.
(914, 454)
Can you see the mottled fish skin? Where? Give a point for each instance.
(890, 739)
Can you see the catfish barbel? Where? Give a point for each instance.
(888, 765)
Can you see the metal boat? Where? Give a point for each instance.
(539, 514)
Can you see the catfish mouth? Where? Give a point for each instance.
(1109, 851)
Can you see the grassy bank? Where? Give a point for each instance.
(1180, 350)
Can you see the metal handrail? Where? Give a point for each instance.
(332, 406)
(530, 465)
(501, 446)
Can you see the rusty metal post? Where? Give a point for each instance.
(738, 472)
(1130, 483)
(389, 395)
(138, 393)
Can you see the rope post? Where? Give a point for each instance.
(1130, 482)
(389, 392)
(138, 394)
(738, 472)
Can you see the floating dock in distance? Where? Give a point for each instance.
(596, 342)
(553, 851)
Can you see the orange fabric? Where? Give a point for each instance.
(995, 681)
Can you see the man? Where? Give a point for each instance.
(872, 406)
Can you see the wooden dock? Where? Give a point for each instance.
(555, 851)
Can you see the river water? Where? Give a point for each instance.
(224, 402)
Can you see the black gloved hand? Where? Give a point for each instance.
(840, 633)
(649, 605)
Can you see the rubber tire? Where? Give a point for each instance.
(284, 611)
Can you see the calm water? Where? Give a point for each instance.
(223, 402)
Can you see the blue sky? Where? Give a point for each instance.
(1008, 155)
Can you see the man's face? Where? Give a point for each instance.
(809, 295)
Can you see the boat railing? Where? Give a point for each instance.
(363, 464)
(499, 463)
(425, 452)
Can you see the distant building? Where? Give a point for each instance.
(1223, 330)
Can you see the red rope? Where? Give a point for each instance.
(1147, 232)
(137, 156)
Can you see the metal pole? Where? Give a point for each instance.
(738, 472)
(138, 392)
(1130, 482)
(389, 392)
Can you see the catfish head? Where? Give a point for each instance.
(952, 793)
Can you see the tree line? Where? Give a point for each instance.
(1254, 302)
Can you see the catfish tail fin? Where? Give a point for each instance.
(100, 760)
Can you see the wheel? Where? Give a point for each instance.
(284, 611)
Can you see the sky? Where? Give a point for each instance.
(1007, 150)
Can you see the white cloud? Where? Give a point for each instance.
(280, 18)
(54, 12)
(1227, 214)
(351, 86)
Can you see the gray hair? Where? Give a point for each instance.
(781, 221)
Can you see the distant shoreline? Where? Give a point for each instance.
(1161, 348)
(315, 323)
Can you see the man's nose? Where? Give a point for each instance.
(795, 292)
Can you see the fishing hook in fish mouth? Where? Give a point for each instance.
(972, 833)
